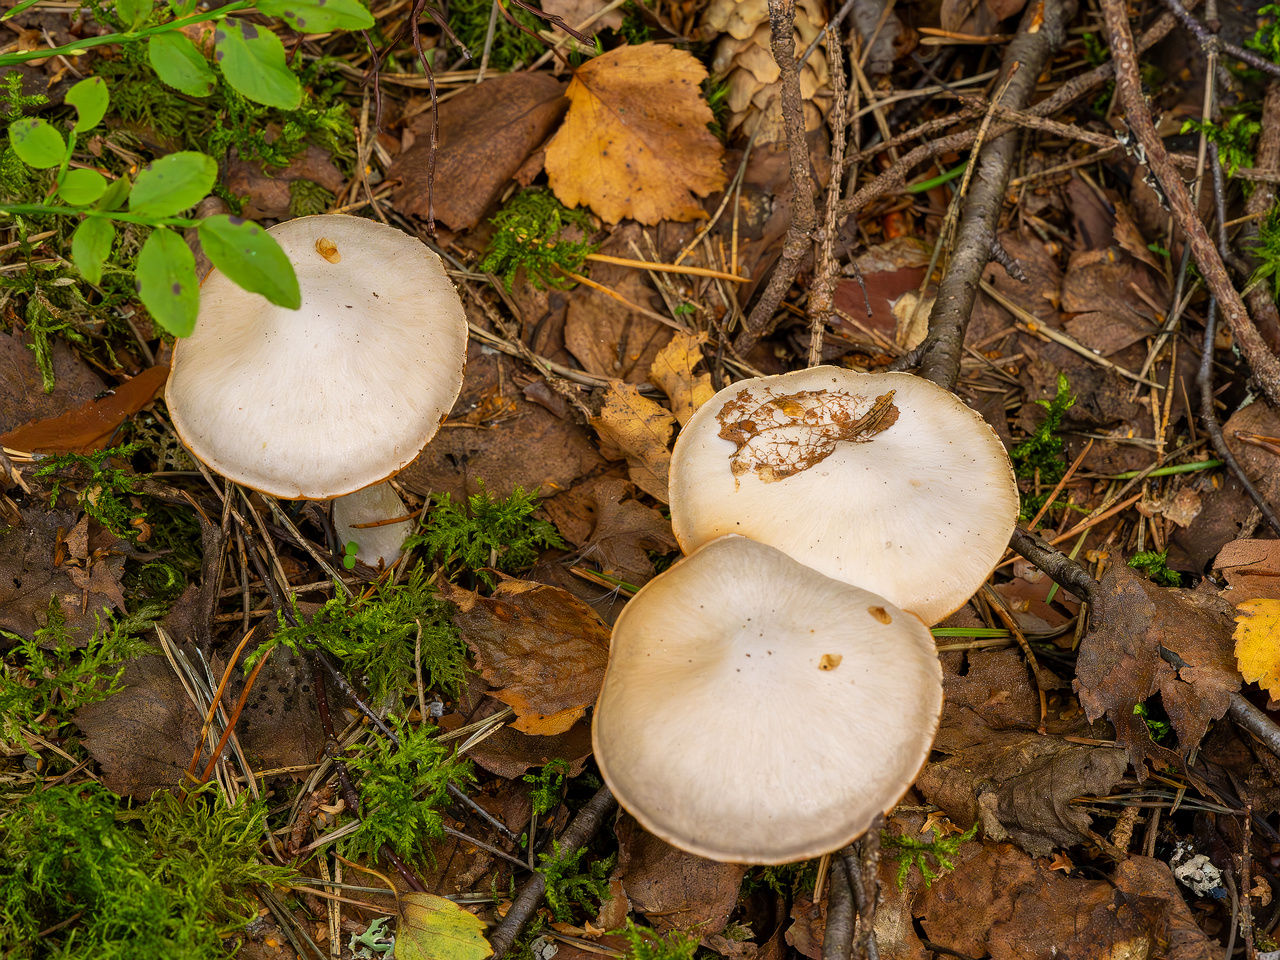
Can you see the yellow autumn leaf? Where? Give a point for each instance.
(433, 928)
(672, 372)
(635, 142)
(638, 430)
(1257, 639)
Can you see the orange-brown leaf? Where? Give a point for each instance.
(635, 142)
(90, 426)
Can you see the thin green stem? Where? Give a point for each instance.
(74, 49)
(1169, 471)
(939, 180)
(38, 209)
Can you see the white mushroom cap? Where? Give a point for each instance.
(340, 394)
(882, 480)
(755, 711)
(377, 544)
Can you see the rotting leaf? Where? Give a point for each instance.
(672, 372)
(543, 649)
(625, 529)
(637, 429)
(1120, 664)
(635, 143)
(788, 434)
(433, 928)
(1257, 650)
(1252, 569)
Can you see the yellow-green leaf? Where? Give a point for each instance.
(433, 928)
(1258, 644)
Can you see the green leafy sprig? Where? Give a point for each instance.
(530, 237)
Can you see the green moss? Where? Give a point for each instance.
(1042, 451)
(307, 197)
(403, 789)
(1153, 565)
(570, 883)
(170, 887)
(375, 636)
(489, 534)
(43, 680)
(469, 20)
(909, 852)
(531, 237)
(548, 785)
(104, 491)
(646, 944)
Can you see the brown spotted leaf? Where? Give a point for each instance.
(673, 372)
(637, 429)
(543, 650)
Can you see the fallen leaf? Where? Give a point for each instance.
(625, 532)
(574, 12)
(608, 338)
(543, 649)
(90, 426)
(23, 399)
(674, 889)
(144, 736)
(672, 372)
(486, 133)
(1257, 639)
(433, 928)
(1143, 876)
(1119, 664)
(635, 143)
(268, 188)
(1252, 569)
(638, 430)
(508, 753)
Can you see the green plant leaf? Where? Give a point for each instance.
(167, 281)
(37, 143)
(319, 16)
(252, 60)
(433, 928)
(90, 98)
(181, 8)
(133, 12)
(81, 187)
(91, 245)
(251, 258)
(115, 196)
(178, 63)
(173, 184)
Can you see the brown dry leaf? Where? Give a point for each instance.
(635, 143)
(574, 12)
(1252, 569)
(267, 188)
(545, 649)
(638, 430)
(672, 372)
(1142, 876)
(1107, 333)
(674, 889)
(88, 427)
(1257, 639)
(1120, 665)
(528, 446)
(608, 338)
(486, 133)
(143, 736)
(23, 398)
(625, 532)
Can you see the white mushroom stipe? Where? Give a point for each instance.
(377, 544)
(756, 711)
(883, 480)
(340, 394)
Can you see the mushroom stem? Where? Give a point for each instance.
(361, 516)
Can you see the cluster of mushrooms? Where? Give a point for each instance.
(828, 516)
(777, 688)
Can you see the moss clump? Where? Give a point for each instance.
(530, 237)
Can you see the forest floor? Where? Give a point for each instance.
(1065, 216)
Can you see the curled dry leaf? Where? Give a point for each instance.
(672, 372)
(638, 430)
(1257, 650)
(542, 649)
(635, 143)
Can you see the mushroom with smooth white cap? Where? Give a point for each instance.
(883, 480)
(756, 711)
(319, 402)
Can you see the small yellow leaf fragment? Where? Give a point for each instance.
(433, 928)
(829, 661)
(672, 372)
(328, 249)
(1257, 639)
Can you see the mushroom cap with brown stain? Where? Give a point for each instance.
(756, 711)
(342, 393)
(882, 480)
